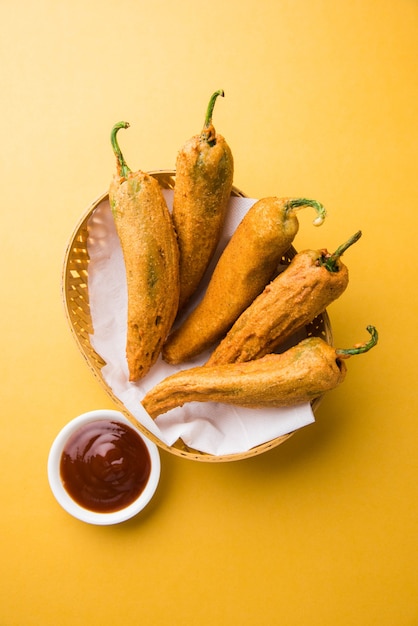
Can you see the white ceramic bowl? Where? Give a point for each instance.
(68, 503)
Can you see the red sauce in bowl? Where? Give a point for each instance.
(105, 466)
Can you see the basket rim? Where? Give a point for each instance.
(95, 362)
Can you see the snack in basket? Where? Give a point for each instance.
(301, 374)
(204, 174)
(151, 256)
(312, 281)
(245, 267)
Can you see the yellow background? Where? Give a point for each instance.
(320, 101)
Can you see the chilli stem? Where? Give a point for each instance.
(123, 168)
(208, 133)
(361, 347)
(330, 261)
(298, 203)
(211, 105)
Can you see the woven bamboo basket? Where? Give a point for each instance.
(76, 303)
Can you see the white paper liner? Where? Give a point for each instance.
(212, 428)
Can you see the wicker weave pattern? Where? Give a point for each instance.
(76, 302)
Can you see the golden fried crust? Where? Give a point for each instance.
(204, 175)
(247, 264)
(286, 305)
(299, 375)
(151, 258)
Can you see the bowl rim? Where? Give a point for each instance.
(66, 501)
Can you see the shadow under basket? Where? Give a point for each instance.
(76, 303)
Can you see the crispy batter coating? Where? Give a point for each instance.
(204, 174)
(287, 304)
(298, 375)
(246, 266)
(151, 257)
